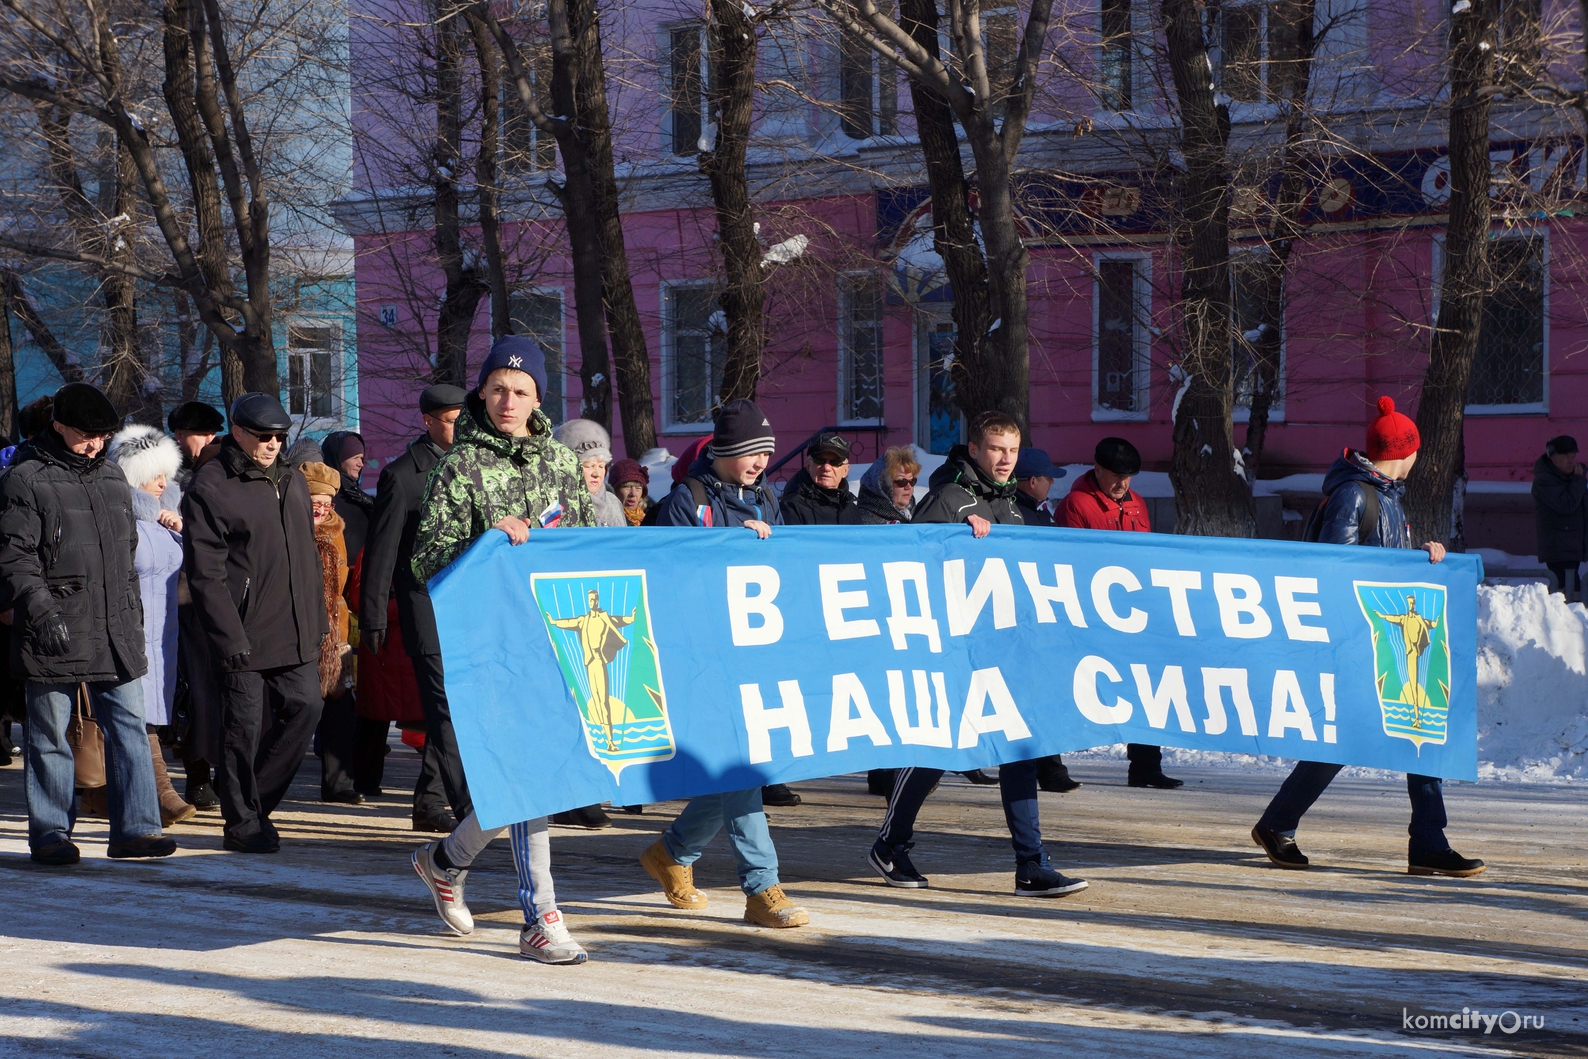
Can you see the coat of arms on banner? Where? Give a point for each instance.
(600, 629)
(1411, 657)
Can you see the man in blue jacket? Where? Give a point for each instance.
(725, 489)
(1363, 505)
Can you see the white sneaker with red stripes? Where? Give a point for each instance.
(547, 940)
(446, 886)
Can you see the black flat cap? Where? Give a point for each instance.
(196, 416)
(440, 397)
(83, 407)
(260, 411)
(1117, 455)
(829, 443)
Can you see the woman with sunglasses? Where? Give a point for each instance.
(887, 490)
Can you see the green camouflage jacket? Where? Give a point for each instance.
(487, 476)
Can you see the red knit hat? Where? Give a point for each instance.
(1393, 436)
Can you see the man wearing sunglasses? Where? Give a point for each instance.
(254, 573)
(819, 494)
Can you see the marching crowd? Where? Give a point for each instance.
(218, 596)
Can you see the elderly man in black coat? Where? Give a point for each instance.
(388, 565)
(1560, 509)
(254, 573)
(66, 542)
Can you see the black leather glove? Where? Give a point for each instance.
(236, 662)
(374, 639)
(51, 637)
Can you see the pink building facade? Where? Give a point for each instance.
(858, 322)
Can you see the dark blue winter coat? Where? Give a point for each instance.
(726, 505)
(1342, 511)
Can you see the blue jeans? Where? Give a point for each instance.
(1017, 784)
(1310, 779)
(48, 776)
(748, 835)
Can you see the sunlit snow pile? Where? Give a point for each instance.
(1532, 694)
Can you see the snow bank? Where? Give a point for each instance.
(1532, 685)
(1532, 694)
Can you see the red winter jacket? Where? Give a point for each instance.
(1088, 507)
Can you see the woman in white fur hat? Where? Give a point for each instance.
(150, 461)
(593, 445)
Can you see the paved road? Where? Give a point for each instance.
(1187, 944)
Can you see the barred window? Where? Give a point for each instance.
(1510, 363)
(860, 331)
(1119, 377)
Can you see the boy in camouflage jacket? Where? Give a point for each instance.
(487, 476)
(504, 471)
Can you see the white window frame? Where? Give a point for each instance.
(307, 421)
(669, 340)
(1520, 232)
(665, 33)
(846, 280)
(1276, 407)
(1142, 297)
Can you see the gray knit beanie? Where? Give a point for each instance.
(587, 438)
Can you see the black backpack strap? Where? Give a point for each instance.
(697, 490)
(1369, 511)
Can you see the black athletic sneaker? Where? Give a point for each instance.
(1036, 881)
(258, 842)
(1281, 849)
(1446, 862)
(893, 864)
(434, 821)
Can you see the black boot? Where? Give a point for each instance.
(778, 794)
(1053, 775)
(1445, 862)
(980, 778)
(589, 817)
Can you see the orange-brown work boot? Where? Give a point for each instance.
(772, 908)
(678, 882)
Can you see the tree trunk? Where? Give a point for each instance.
(630, 358)
(181, 23)
(1286, 228)
(1465, 281)
(464, 287)
(1000, 377)
(743, 299)
(8, 372)
(1211, 498)
(573, 28)
(953, 227)
(486, 189)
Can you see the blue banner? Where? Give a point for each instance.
(632, 666)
